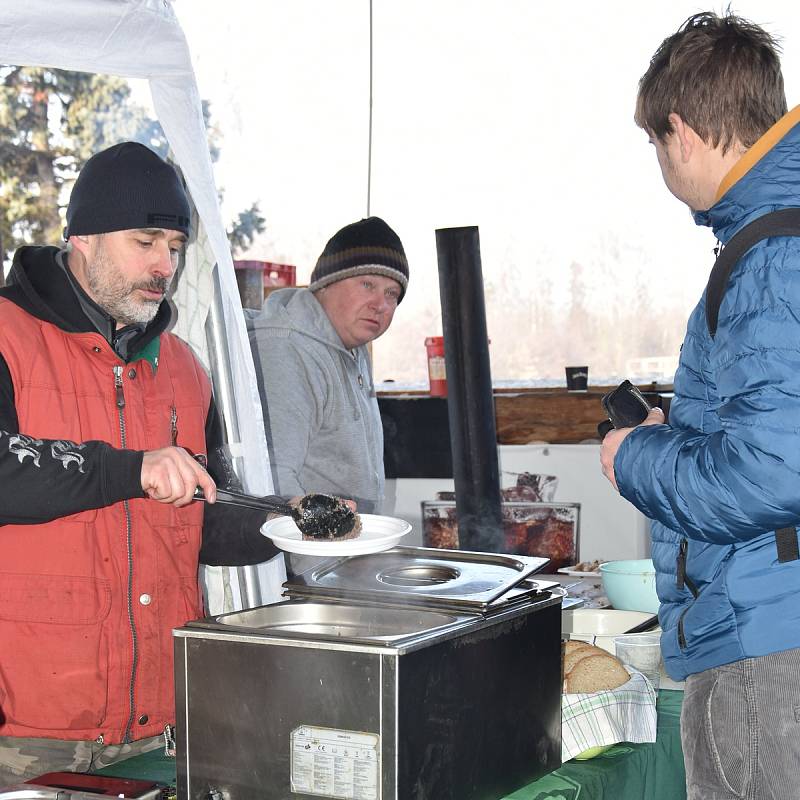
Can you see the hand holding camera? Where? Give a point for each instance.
(626, 408)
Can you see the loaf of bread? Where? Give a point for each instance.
(591, 669)
(572, 645)
(572, 655)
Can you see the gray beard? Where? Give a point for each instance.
(115, 295)
(129, 312)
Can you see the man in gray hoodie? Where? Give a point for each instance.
(315, 376)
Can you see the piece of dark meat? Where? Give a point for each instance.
(322, 516)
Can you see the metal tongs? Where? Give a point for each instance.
(248, 501)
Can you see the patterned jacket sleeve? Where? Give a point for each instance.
(43, 479)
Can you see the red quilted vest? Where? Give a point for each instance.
(88, 601)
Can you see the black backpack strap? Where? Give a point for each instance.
(784, 222)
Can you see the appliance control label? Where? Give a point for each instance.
(333, 763)
(436, 368)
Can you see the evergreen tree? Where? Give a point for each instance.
(51, 122)
(247, 225)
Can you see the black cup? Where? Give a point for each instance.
(577, 378)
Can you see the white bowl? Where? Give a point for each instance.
(599, 626)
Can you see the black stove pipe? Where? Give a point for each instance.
(469, 391)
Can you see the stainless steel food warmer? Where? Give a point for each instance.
(412, 674)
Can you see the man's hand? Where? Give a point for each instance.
(171, 475)
(613, 439)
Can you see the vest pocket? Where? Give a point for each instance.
(82, 517)
(181, 602)
(184, 605)
(54, 663)
(177, 524)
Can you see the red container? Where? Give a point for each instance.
(274, 274)
(279, 274)
(436, 369)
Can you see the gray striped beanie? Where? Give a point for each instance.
(366, 247)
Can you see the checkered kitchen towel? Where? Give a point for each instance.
(625, 714)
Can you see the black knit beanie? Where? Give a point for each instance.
(124, 188)
(367, 247)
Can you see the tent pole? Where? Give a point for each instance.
(223, 394)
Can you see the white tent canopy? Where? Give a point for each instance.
(143, 39)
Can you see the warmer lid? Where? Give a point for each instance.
(420, 576)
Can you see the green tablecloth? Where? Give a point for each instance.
(152, 766)
(646, 771)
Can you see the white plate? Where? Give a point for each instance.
(576, 573)
(377, 533)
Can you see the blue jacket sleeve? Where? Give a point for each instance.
(714, 487)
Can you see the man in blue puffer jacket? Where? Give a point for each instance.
(724, 475)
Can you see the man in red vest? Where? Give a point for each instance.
(94, 574)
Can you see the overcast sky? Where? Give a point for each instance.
(512, 115)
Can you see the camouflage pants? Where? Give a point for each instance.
(22, 759)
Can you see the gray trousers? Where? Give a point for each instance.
(23, 759)
(740, 728)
